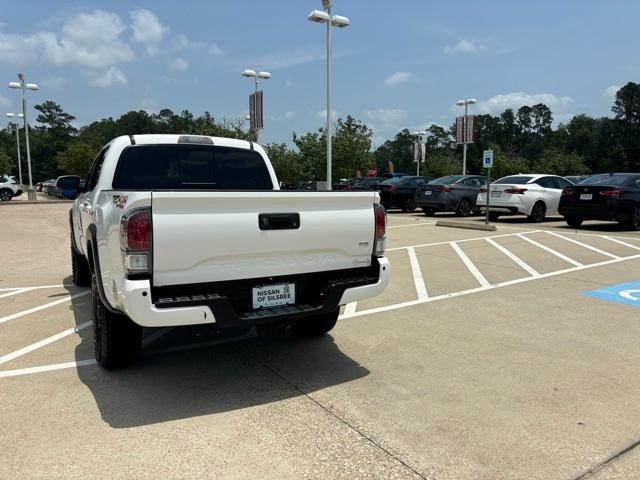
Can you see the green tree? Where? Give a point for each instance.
(556, 162)
(53, 117)
(76, 159)
(286, 162)
(6, 164)
(442, 162)
(312, 147)
(627, 103)
(351, 146)
(399, 151)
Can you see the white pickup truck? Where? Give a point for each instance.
(174, 230)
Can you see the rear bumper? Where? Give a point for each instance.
(496, 204)
(607, 211)
(437, 202)
(143, 305)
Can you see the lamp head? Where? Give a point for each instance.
(318, 16)
(248, 73)
(340, 21)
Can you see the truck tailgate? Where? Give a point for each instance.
(203, 237)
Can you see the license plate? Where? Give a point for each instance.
(274, 295)
(428, 192)
(586, 196)
(496, 194)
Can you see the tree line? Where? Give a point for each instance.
(522, 140)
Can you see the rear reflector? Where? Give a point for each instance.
(380, 231)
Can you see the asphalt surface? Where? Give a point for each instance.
(482, 359)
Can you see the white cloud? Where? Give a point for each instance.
(4, 102)
(53, 83)
(17, 50)
(322, 114)
(289, 115)
(387, 115)
(397, 78)
(182, 42)
(108, 78)
(178, 64)
(464, 46)
(610, 92)
(92, 27)
(146, 27)
(214, 49)
(560, 105)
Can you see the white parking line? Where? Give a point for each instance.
(418, 280)
(350, 308)
(470, 266)
(490, 287)
(550, 250)
(42, 307)
(38, 287)
(15, 292)
(594, 249)
(45, 368)
(615, 239)
(42, 343)
(513, 257)
(447, 242)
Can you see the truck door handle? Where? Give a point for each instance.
(279, 221)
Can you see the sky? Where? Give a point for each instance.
(399, 64)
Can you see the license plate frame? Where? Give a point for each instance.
(586, 196)
(496, 193)
(428, 192)
(273, 295)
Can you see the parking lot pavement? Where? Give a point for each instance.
(483, 359)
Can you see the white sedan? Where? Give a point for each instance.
(530, 194)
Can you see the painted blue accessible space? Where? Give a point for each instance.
(627, 293)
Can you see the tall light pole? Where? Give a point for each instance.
(256, 76)
(17, 127)
(31, 193)
(465, 103)
(319, 16)
(419, 135)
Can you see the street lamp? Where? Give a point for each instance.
(419, 135)
(31, 194)
(465, 103)
(255, 75)
(17, 127)
(319, 16)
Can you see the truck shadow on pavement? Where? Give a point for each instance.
(241, 371)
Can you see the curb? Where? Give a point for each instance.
(467, 225)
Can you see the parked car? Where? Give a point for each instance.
(367, 183)
(401, 192)
(183, 230)
(67, 187)
(614, 197)
(533, 195)
(394, 175)
(48, 186)
(9, 188)
(576, 179)
(453, 193)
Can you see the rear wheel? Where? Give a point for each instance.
(429, 212)
(574, 221)
(538, 212)
(117, 340)
(316, 325)
(464, 208)
(493, 216)
(409, 205)
(5, 195)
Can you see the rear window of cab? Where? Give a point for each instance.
(190, 167)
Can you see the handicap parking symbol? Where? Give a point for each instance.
(627, 293)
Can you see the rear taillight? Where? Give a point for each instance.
(516, 191)
(483, 189)
(135, 241)
(381, 230)
(443, 189)
(616, 192)
(567, 191)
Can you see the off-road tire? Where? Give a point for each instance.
(117, 340)
(81, 274)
